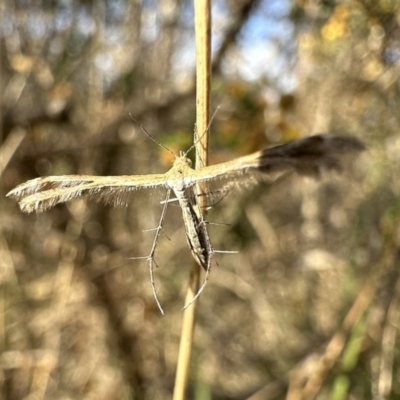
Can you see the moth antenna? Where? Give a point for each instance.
(151, 137)
(197, 139)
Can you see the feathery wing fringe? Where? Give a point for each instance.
(40, 194)
(307, 156)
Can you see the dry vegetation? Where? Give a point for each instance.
(318, 263)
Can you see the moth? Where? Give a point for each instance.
(307, 156)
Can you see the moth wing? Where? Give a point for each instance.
(40, 194)
(309, 156)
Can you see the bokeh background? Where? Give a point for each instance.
(317, 273)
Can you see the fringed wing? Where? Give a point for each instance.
(40, 194)
(307, 156)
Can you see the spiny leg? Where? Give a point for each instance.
(210, 252)
(153, 285)
(150, 257)
(207, 276)
(211, 195)
(203, 285)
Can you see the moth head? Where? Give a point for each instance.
(184, 159)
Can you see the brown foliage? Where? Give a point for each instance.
(78, 317)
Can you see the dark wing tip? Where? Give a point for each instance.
(340, 143)
(310, 155)
(325, 144)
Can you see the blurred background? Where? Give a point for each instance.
(78, 317)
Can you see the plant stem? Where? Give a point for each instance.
(203, 78)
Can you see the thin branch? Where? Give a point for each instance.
(203, 70)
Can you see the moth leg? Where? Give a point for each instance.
(220, 193)
(171, 201)
(210, 252)
(150, 257)
(203, 285)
